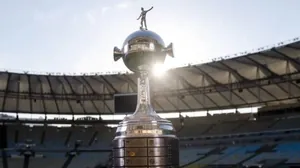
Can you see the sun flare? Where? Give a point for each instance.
(159, 70)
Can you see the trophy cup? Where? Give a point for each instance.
(144, 139)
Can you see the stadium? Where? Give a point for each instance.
(244, 109)
(234, 111)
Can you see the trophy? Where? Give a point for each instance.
(144, 139)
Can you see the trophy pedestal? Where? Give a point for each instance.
(146, 152)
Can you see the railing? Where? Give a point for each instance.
(238, 135)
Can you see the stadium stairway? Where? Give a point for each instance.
(231, 156)
(190, 154)
(291, 151)
(287, 153)
(270, 163)
(253, 154)
(208, 129)
(242, 153)
(201, 154)
(288, 123)
(273, 124)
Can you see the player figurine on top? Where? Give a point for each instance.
(143, 18)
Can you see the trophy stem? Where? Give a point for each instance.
(144, 106)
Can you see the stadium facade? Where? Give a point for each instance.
(268, 78)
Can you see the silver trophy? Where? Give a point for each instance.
(144, 139)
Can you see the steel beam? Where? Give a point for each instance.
(214, 82)
(284, 57)
(85, 86)
(91, 141)
(6, 92)
(18, 96)
(108, 83)
(42, 93)
(182, 99)
(165, 97)
(265, 70)
(104, 103)
(53, 94)
(180, 78)
(245, 79)
(295, 62)
(236, 74)
(64, 90)
(293, 47)
(131, 83)
(262, 67)
(235, 86)
(192, 91)
(73, 91)
(185, 103)
(296, 98)
(29, 91)
(176, 108)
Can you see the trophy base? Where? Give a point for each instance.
(146, 152)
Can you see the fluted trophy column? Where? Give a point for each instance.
(144, 139)
(144, 105)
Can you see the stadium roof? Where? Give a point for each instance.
(265, 77)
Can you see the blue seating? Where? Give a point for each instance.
(232, 154)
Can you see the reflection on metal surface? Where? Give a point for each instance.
(140, 154)
(143, 48)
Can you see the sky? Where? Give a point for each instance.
(79, 36)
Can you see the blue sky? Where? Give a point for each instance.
(78, 36)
